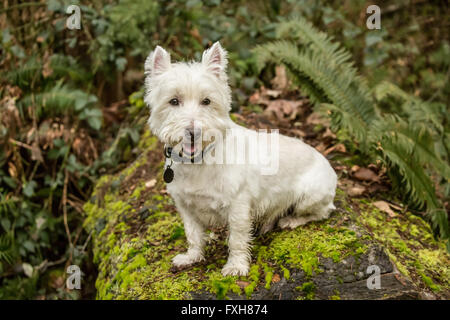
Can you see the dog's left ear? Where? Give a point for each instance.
(215, 59)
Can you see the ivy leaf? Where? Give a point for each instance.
(28, 189)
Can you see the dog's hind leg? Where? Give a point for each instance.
(300, 218)
(266, 227)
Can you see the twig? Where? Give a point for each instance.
(20, 144)
(66, 226)
(87, 241)
(23, 5)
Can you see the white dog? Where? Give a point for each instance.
(186, 99)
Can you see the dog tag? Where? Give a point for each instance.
(168, 175)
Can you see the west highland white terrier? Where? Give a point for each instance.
(190, 103)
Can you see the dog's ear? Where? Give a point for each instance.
(215, 59)
(157, 62)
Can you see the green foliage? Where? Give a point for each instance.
(323, 71)
(405, 143)
(5, 248)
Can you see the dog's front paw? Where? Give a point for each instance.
(235, 268)
(186, 259)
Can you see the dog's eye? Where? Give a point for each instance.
(174, 102)
(206, 101)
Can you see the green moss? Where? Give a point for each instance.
(286, 273)
(134, 254)
(411, 246)
(308, 290)
(221, 285)
(336, 295)
(429, 282)
(147, 141)
(137, 192)
(254, 277)
(303, 247)
(269, 276)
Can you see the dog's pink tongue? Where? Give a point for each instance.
(189, 148)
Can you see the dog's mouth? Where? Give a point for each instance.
(194, 148)
(190, 148)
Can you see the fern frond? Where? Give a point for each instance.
(314, 72)
(301, 30)
(5, 249)
(58, 100)
(415, 139)
(385, 89)
(23, 75)
(414, 108)
(439, 222)
(413, 179)
(63, 66)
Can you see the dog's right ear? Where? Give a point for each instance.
(157, 62)
(215, 59)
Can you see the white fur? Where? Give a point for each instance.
(224, 194)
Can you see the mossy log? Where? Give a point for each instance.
(136, 231)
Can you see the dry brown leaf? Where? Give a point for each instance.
(365, 174)
(315, 118)
(36, 153)
(150, 183)
(298, 132)
(242, 284)
(355, 191)
(328, 134)
(338, 148)
(12, 170)
(283, 109)
(281, 81)
(351, 187)
(46, 69)
(276, 278)
(384, 206)
(321, 147)
(255, 98)
(272, 93)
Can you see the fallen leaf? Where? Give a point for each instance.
(321, 147)
(365, 174)
(150, 183)
(242, 284)
(284, 109)
(27, 269)
(384, 206)
(328, 134)
(281, 81)
(36, 153)
(357, 190)
(272, 93)
(276, 278)
(338, 148)
(315, 118)
(255, 98)
(47, 69)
